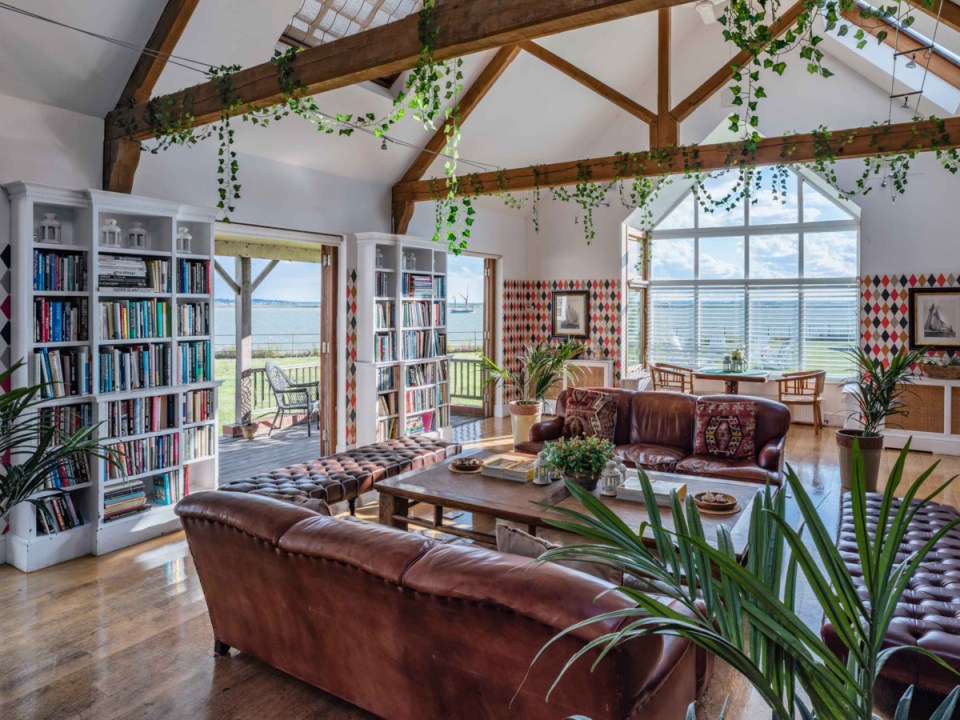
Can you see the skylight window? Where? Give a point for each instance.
(322, 21)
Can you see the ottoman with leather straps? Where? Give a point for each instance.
(345, 476)
(928, 614)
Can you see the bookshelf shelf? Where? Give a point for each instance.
(99, 278)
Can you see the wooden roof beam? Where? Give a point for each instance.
(668, 127)
(120, 155)
(864, 142)
(464, 27)
(721, 77)
(589, 81)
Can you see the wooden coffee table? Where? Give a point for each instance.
(442, 488)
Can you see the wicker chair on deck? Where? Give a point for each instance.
(292, 396)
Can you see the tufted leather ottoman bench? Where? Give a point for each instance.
(347, 475)
(928, 614)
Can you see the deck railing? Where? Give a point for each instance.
(256, 394)
(466, 381)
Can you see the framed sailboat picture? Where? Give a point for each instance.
(935, 318)
(571, 314)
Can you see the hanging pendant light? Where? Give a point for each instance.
(912, 62)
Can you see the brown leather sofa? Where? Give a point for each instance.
(655, 430)
(928, 614)
(410, 629)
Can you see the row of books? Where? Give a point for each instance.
(385, 315)
(63, 373)
(418, 286)
(134, 319)
(383, 350)
(134, 273)
(443, 416)
(386, 405)
(60, 320)
(387, 429)
(419, 399)
(67, 419)
(145, 455)
(135, 367)
(421, 423)
(68, 472)
(440, 287)
(420, 374)
(58, 513)
(419, 344)
(59, 271)
(166, 489)
(193, 319)
(140, 415)
(416, 314)
(383, 288)
(199, 442)
(194, 277)
(198, 406)
(386, 378)
(439, 313)
(124, 500)
(195, 362)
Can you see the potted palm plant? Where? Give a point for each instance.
(745, 614)
(30, 449)
(540, 367)
(878, 392)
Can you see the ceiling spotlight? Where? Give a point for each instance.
(912, 63)
(906, 103)
(383, 145)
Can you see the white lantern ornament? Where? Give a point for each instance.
(49, 229)
(110, 234)
(184, 239)
(137, 236)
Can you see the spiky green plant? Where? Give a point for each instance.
(879, 389)
(745, 614)
(540, 367)
(31, 450)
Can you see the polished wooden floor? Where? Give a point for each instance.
(127, 636)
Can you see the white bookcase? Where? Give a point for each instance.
(403, 369)
(187, 468)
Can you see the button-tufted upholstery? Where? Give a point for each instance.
(346, 475)
(928, 614)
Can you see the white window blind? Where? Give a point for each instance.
(774, 317)
(829, 328)
(673, 326)
(721, 322)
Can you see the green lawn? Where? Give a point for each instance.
(226, 371)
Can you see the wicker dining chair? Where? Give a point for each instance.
(804, 389)
(292, 396)
(673, 378)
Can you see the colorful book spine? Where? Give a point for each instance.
(56, 271)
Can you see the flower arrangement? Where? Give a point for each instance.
(579, 458)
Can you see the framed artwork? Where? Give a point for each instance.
(934, 318)
(571, 314)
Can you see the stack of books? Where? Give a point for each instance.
(632, 490)
(135, 367)
(59, 320)
(63, 373)
(418, 286)
(123, 501)
(417, 424)
(60, 513)
(509, 466)
(134, 319)
(59, 271)
(125, 272)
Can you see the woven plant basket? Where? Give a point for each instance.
(942, 372)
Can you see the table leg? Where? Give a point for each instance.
(731, 387)
(391, 507)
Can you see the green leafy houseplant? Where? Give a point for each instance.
(539, 368)
(745, 614)
(580, 459)
(30, 449)
(878, 392)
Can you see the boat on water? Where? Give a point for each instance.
(464, 308)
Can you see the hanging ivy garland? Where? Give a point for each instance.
(431, 95)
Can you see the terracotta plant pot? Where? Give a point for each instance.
(523, 416)
(871, 447)
(250, 431)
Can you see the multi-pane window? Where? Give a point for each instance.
(776, 280)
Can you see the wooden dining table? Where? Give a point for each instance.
(732, 380)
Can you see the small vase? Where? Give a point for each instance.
(585, 480)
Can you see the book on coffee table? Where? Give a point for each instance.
(632, 490)
(508, 466)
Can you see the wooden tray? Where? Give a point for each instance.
(720, 513)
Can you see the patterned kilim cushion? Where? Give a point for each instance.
(589, 412)
(726, 428)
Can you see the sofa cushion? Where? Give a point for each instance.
(590, 412)
(729, 468)
(726, 429)
(661, 418)
(517, 542)
(662, 458)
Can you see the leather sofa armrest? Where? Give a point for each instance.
(771, 456)
(547, 430)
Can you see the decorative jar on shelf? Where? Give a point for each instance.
(409, 261)
(379, 259)
(110, 234)
(49, 229)
(610, 479)
(726, 363)
(137, 236)
(184, 239)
